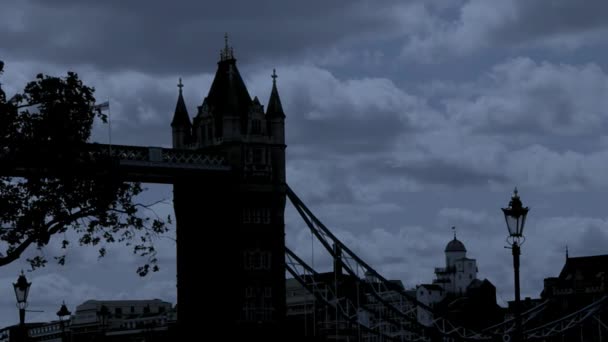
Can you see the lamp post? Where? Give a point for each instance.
(103, 315)
(62, 314)
(515, 217)
(22, 289)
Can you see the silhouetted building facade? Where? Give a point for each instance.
(13, 333)
(122, 320)
(581, 282)
(310, 319)
(230, 228)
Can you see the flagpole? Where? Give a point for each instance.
(109, 127)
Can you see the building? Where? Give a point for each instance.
(581, 282)
(385, 321)
(457, 294)
(54, 331)
(118, 320)
(453, 279)
(312, 319)
(459, 271)
(230, 226)
(12, 333)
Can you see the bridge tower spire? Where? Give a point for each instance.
(180, 125)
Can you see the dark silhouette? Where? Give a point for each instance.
(46, 127)
(515, 217)
(230, 227)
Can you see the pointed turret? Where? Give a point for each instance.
(228, 94)
(275, 116)
(181, 125)
(275, 109)
(228, 98)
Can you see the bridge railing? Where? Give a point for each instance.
(134, 163)
(157, 156)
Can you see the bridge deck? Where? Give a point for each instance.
(133, 163)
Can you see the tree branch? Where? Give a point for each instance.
(16, 253)
(52, 228)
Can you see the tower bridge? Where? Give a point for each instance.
(227, 168)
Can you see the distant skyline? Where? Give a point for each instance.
(404, 118)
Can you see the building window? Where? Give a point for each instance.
(203, 132)
(266, 216)
(118, 312)
(257, 157)
(256, 126)
(132, 309)
(256, 215)
(147, 309)
(246, 215)
(265, 261)
(268, 292)
(257, 260)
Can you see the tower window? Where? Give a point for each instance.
(246, 215)
(266, 215)
(257, 260)
(256, 215)
(257, 156)
(256, 126)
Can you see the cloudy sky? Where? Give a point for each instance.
(404, 118)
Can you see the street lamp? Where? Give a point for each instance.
(515, 217)
(22, 289)
(62, 313)
(102, 316)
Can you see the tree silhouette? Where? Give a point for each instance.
(48, 122)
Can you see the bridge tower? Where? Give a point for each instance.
(230, 227)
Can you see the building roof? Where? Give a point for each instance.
(93, 304)
(228, 94)
(432, 287)
(274, 108)
(455, 246)
(586, 267)
(180, 117)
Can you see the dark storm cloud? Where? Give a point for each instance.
(353, 136)
(490, 26)
(537, 20)
(442, 172)
(160, 36)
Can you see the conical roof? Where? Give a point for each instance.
(180, 117)
(228, 94)
(274, 108)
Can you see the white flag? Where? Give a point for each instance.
(102, 106)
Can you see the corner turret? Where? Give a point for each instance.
(180, 125)
(274, 113)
